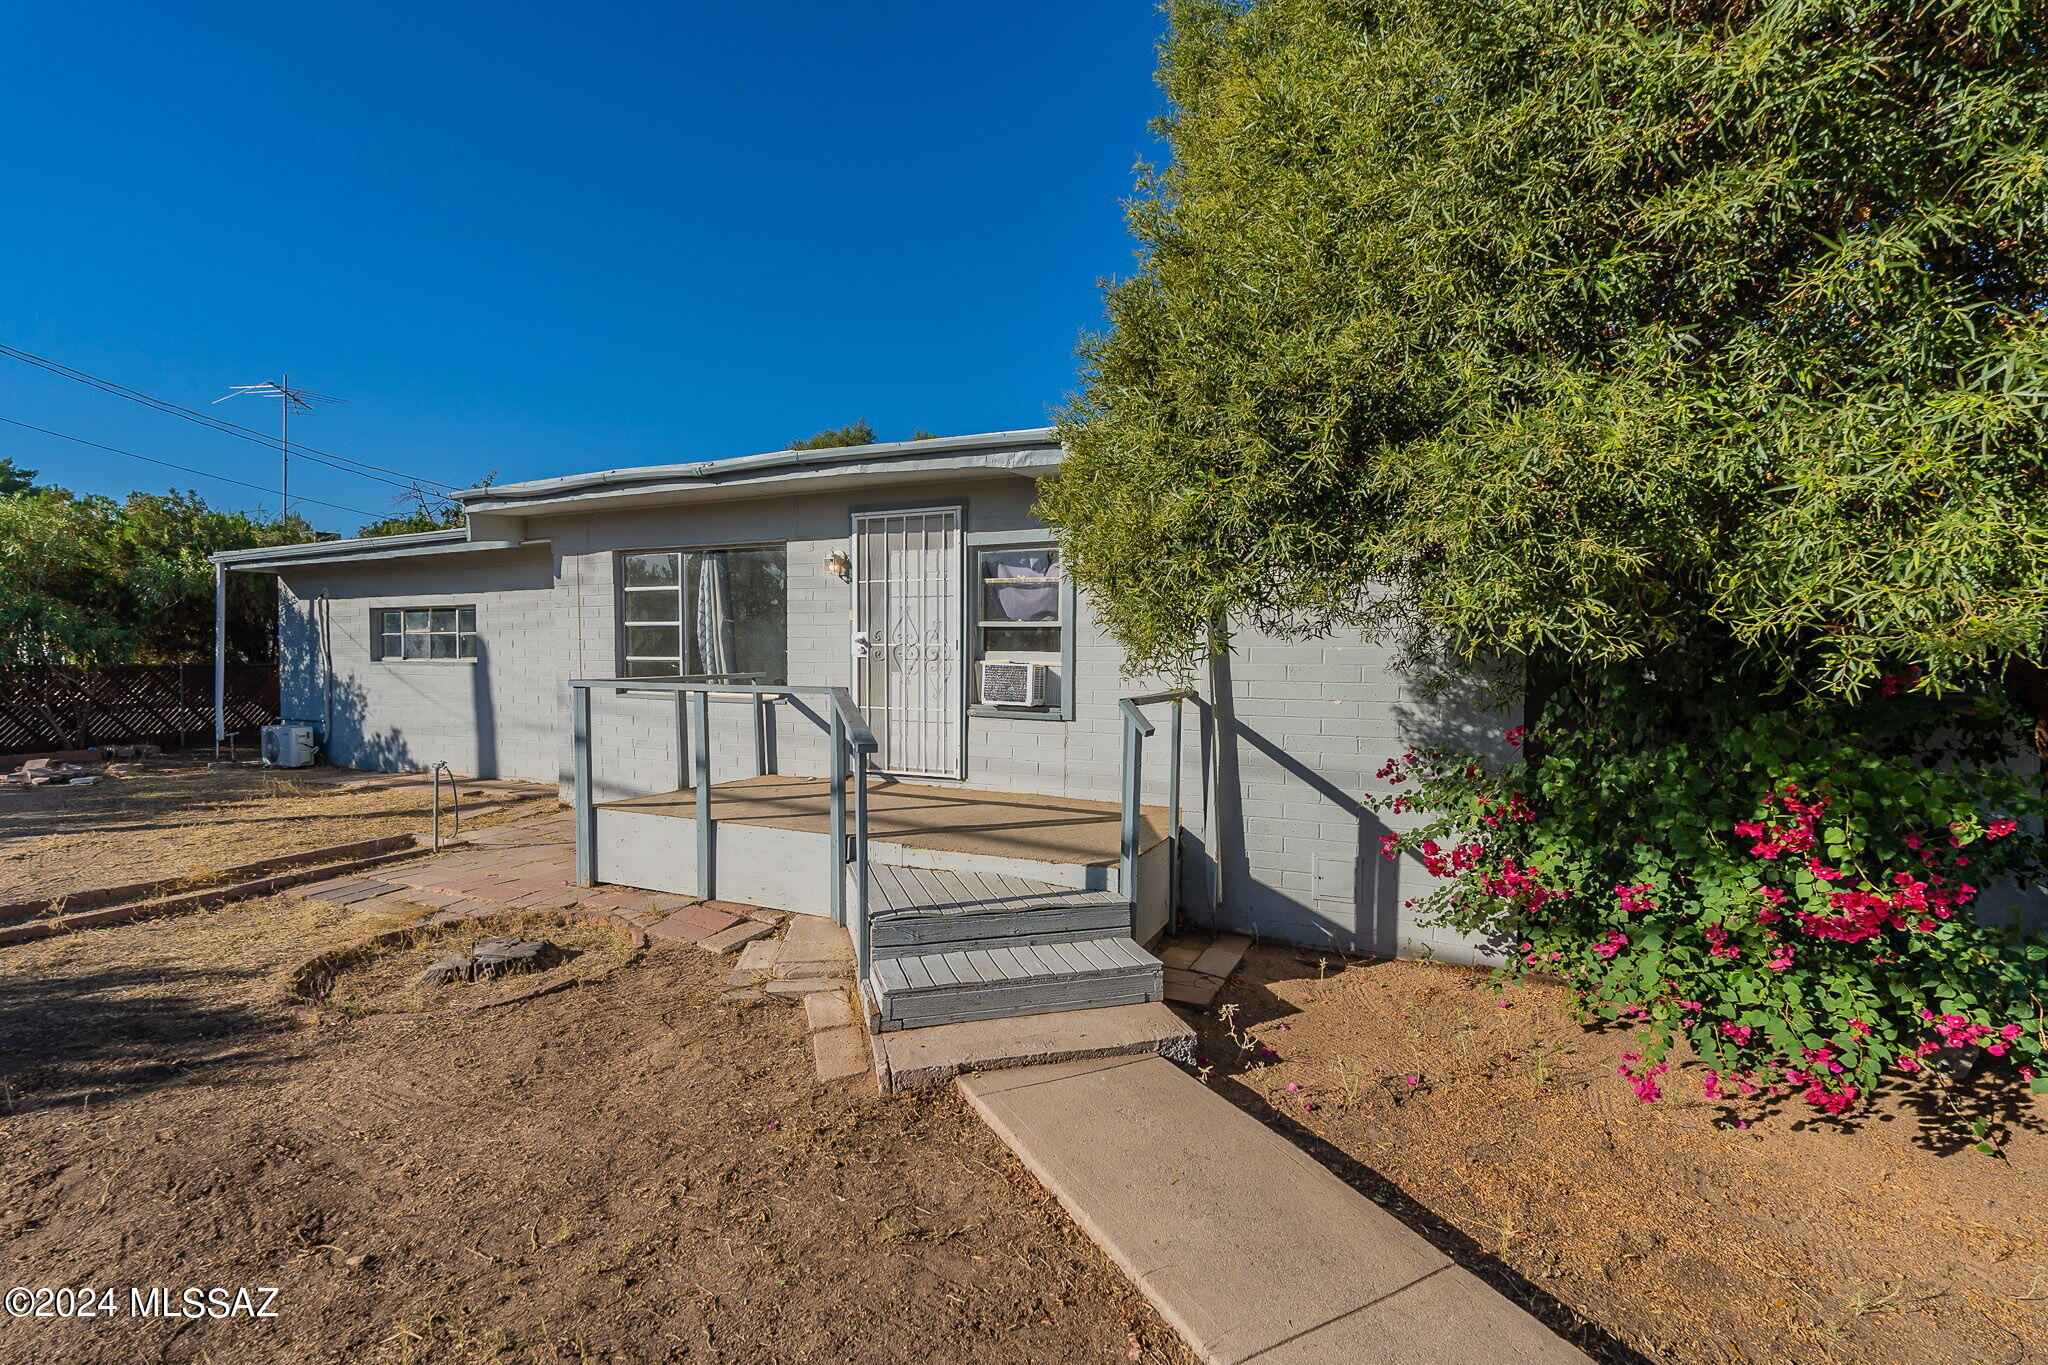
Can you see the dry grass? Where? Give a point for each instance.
(629, 1172)
(380, 974)
(1498, 1120)
(179, 819)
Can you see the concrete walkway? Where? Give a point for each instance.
(1250, 1248)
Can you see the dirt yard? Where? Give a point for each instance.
(633, 1171)
(178, 818)
(1497, 1125)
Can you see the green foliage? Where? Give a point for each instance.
(858, 433)
(14, 479)
(88, 580)
(417, 520)
(1563, 328)
(1789, 885)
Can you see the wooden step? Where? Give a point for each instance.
(920, 910)
(951, 987)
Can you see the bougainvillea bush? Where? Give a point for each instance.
(1791, 885)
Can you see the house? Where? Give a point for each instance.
(694, 651)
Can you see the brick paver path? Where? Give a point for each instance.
(526, 865)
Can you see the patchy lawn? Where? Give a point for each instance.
(633, 1171)
(179, 818)
(1497, 1124)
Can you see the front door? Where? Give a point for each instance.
(906, 638)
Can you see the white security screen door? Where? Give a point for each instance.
(906, 638)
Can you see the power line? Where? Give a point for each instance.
(151, 459)
(207, 419)
(318, 456)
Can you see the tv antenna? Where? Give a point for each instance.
(287, 398)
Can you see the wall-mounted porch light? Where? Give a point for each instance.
(838, 566)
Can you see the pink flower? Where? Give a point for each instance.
(1294, 1085)
(1998, 829)
(1635, 899)
(1607, 947)
(1515, 733)
(1718, 944)
(1413, 1080)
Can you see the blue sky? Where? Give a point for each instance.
(548, 238)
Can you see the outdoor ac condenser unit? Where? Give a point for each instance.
(1012, 682)
(288, 746)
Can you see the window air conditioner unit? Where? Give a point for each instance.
(288, 746)
(1012, 682)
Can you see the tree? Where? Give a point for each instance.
(86, 580)
(424, 510)
(14, 479)
(1574, 330)
(1692, 354)
(859, 433)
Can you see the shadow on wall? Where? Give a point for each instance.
(483, 713)
(1355, 897)
(352, 742)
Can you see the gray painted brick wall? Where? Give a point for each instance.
(1299, 732)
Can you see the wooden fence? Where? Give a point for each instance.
(45, 708)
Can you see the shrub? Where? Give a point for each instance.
(1791, 885)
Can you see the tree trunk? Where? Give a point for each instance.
(1539, 685)
(2027, 681)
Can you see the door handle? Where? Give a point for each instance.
(861, 644)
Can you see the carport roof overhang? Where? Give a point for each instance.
(317, 554)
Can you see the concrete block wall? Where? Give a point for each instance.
(1285, 737)
(496, 716)
(1301, 728)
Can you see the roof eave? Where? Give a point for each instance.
(365, 549)
(761, 466)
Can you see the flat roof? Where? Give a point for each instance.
(767, 463)
(1027, 452)
(836, 465)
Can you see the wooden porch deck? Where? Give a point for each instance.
(1051, 829)
(954, 933)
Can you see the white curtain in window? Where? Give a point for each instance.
(714, 613)
(1025, 601)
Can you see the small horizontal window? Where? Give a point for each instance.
(407, 633)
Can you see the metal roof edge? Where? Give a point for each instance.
(361, 549)
(534, 489)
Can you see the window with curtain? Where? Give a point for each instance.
(705, 611)
(1022, 613)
